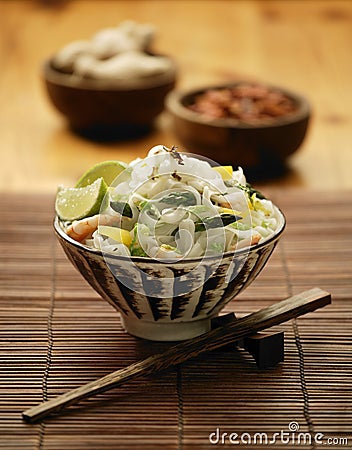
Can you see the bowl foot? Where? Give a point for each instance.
(154, 331)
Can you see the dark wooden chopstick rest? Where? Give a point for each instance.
(275, 314)
(267, 349)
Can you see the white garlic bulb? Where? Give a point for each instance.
(113, 53)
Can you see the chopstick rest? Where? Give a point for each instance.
(275, 314)
(267, 348)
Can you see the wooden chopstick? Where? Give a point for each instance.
(275, 314)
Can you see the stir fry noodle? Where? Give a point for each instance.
(173, 206)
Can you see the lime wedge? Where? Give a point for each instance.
(108, 170)
(77, 203)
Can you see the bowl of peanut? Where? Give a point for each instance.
(250, 124)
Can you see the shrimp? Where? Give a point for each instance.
(79, 230)
(247, 242)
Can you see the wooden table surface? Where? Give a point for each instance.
(303, 45)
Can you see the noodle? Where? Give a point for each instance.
(177, 206)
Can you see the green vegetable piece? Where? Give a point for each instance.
(239, 226)
(135, 247)
(179, 198)
(138, 251)
(217, 247)
(216, 222)
(123, 208)
(250, 191)
(143, 204)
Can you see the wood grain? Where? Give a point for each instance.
(302, 45)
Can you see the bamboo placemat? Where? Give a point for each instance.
(57, 334)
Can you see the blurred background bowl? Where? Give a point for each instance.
(194, 289)
(261, 148)
(106, 109)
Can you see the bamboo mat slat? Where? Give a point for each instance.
(57, 334)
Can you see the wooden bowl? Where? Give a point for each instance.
(106, 107)
(260, 148)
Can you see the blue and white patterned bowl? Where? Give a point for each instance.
(168, 301)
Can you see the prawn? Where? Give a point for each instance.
(79, 230)
(247, 242)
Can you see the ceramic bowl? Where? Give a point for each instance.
(261, 148)
(168, 301)
(108, 108)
